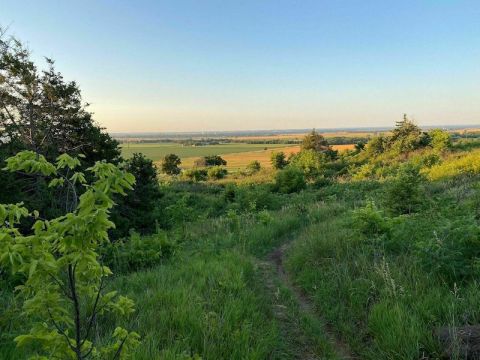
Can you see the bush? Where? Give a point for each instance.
(278, 160)
(211, 160)
(254, 167)
(136, 252)
(453, 252)
(309, 161)
(217, 172)
(137, 210)
(369, 220)
(439, 139)
(404, 194)
(289, 180)
(196, 174)
(256, 197)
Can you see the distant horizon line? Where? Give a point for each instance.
(285, 131)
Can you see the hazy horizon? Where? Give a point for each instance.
(177, 66)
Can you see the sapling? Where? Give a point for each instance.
(63, 291)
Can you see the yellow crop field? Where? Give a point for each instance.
(241, 160)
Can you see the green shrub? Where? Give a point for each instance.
(278, 160)
(439, 139)
(137, 252)
(453, 252)
(216, 172)
(370, 221)
(310, 162)
(404, 194)
(211, 160)
(256, 197)
(289, 180)
(253, 167)
(196, 174)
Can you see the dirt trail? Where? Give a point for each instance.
(306, 307)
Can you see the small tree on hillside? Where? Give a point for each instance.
(315, 141)
(170, 164)
(278, 160)
(136, 210)
(63, 292)
(439, 139)
(407, 136)
(404, 195)
(310, 162)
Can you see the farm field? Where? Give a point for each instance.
(156, 151)
(240, 160)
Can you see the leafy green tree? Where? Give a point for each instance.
(278, 160)
(211, 160)
(439, 139)
(170, 164)
(311, 162)
(315, 141)
(64, 284)
(137, 210)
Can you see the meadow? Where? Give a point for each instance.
(156, 151)
(237, 155)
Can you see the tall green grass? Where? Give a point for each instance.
(375, 291)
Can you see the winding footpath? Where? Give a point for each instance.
(276, 277)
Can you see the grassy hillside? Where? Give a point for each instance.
(366, 254)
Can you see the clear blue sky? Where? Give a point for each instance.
(224, 65)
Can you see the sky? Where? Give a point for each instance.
(186, 65)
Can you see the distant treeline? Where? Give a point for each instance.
(338, 140)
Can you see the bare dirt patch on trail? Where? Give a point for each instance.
(311, 337)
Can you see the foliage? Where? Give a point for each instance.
(377, 145)
(404, 195)
(406, 137)
(289, 180)
(253, 167)
(315, 141)
(455, 165)
(170, 164)
(370, 221)
(211, 160)
(196, 174)
(42, 112)
(137, 210)
(279, 160)
(217, 172)
(64, 283)
(136, 252)
(453, 251)
(439, 140)
(310, 162)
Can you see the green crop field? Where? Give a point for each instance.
(156, 151)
